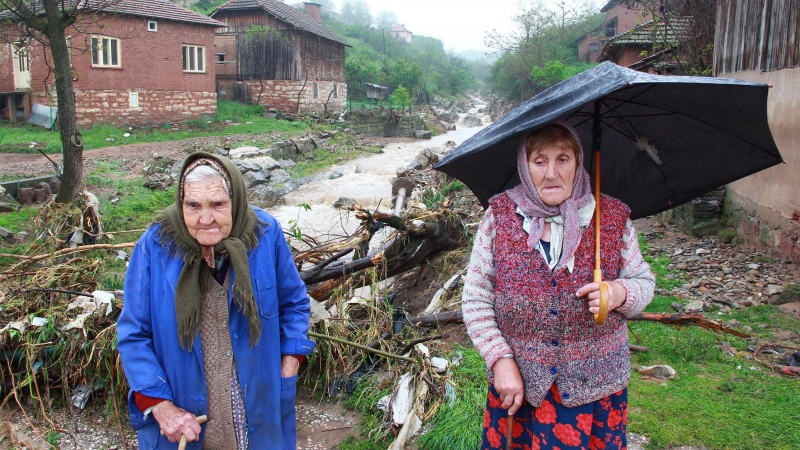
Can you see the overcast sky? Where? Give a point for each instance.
(460, 24)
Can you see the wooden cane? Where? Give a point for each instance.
(600, 317)
(182, 445)
(510, 432)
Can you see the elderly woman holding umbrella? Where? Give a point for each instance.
(215, 320)
(555, 376)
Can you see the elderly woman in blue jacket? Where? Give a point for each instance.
(215, 320)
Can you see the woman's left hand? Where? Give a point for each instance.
(616, 295)
(289, 366)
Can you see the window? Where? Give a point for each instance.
(194, 58)
(134, 99)
(316, 90)
(152, 25)
(23, 63)
(592, 47)
(335, 91)
(221, 57)
(105, 52)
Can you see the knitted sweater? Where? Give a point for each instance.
(480, 304)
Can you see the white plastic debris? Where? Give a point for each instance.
(439, 364)
(402, 399)
(81, 394)
(423, 350)
(318, 312)
(39, 322)
(126, 135)
(18, 325)
(103, 297)
(436, 304)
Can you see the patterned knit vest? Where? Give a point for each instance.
(551, 331)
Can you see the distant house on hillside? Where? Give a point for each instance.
(276, 55)
(757, 40)
(116, 79)
(649, 47)
(401, 33)
(621, 16)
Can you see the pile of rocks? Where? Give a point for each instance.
(471, 120)
(726, 275)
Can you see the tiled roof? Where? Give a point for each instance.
(152, 9)
(286, 13)
(669, 30)
(400, 28)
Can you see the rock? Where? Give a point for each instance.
(287, 163)
(358, 169)
(471, 120)
(246, 151)
(447, 126)
(268, 195)
(337, 173)
(305, 145)
(345, 202)
(246, 165)
(158, 181)
(279, 176)
(694, 307)
(422, 134)
(754, 266)
(25, 196)
(659, 372)
(681, 266)
(6, 234)
(55, 184)
(252, 179)
(702, 251)
(773, 289)
(8, 207)
(733, 323)
(706, 228)
(266, 162)
(791, 293)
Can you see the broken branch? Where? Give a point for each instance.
(362, 347)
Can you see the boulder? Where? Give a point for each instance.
(279, 176)
(247, 152)
(471, 120)
(252, 179)
(447, 126)
(8, 207)
(345, 202)
(46, 188)
(55, 184)
(6, 234)
(422, 134)
(268, 195)
(266, 162)
(246, 165)
(287, 163)
(25, 196)
(158, 181)
(337, 173)
(305, 145)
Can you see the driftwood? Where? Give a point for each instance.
(686, 319)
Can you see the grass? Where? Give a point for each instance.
(432, 196)
(246, 119)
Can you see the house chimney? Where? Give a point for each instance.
(314, 10)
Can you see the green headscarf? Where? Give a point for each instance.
(190, 293)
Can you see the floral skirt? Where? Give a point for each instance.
(600, 425)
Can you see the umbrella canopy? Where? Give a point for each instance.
(666, 140)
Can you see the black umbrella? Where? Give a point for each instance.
(666, 139)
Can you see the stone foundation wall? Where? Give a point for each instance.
(762, 227)
(385, 122)
(281, 95)
(701, 216)
(114, 107)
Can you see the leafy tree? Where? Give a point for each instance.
(385, 20)
(401, 98)
(357, 12)
(45, 23)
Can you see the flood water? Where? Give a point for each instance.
(371, 187)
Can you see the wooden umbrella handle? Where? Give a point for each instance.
(182, 445)
(602, 315)
(510, 432)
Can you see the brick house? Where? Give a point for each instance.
(649, 47)
(757, 40)
(279, 56)
(621, 16)
(140, 62)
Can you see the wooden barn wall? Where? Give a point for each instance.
(282, 53)
(759, 35)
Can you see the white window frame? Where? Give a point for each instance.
(196, 54)
(152, 26)
(133, 99)
(98, 50)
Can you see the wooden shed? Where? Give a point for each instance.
(279, 56)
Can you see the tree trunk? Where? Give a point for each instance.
(71, 139)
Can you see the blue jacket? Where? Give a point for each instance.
(156, 365)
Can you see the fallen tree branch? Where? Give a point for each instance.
(411, 344)
(340, 269)
(67, 251)
(362, 347)
(686, 319)
(61, 291)
(430, 320)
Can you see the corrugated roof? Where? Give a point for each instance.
(151, 9)
(286, 13)
(669, 30)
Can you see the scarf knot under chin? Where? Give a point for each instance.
(527, 199)
(193, 282)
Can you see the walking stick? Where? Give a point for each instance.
(600, 317)
(510, 432)
(182, 446)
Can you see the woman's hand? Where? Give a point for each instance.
(508, 383)
(289, 366)
(175, 422)
(616, 295)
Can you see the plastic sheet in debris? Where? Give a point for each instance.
(42, 115)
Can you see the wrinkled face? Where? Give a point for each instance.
(207, 211)
(553, 172)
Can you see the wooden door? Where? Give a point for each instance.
(22, 69)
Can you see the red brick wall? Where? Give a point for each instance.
(151, 65)
(6, 69)
(282, 95)
(628, 17)
(583, 48)
(629, 54)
